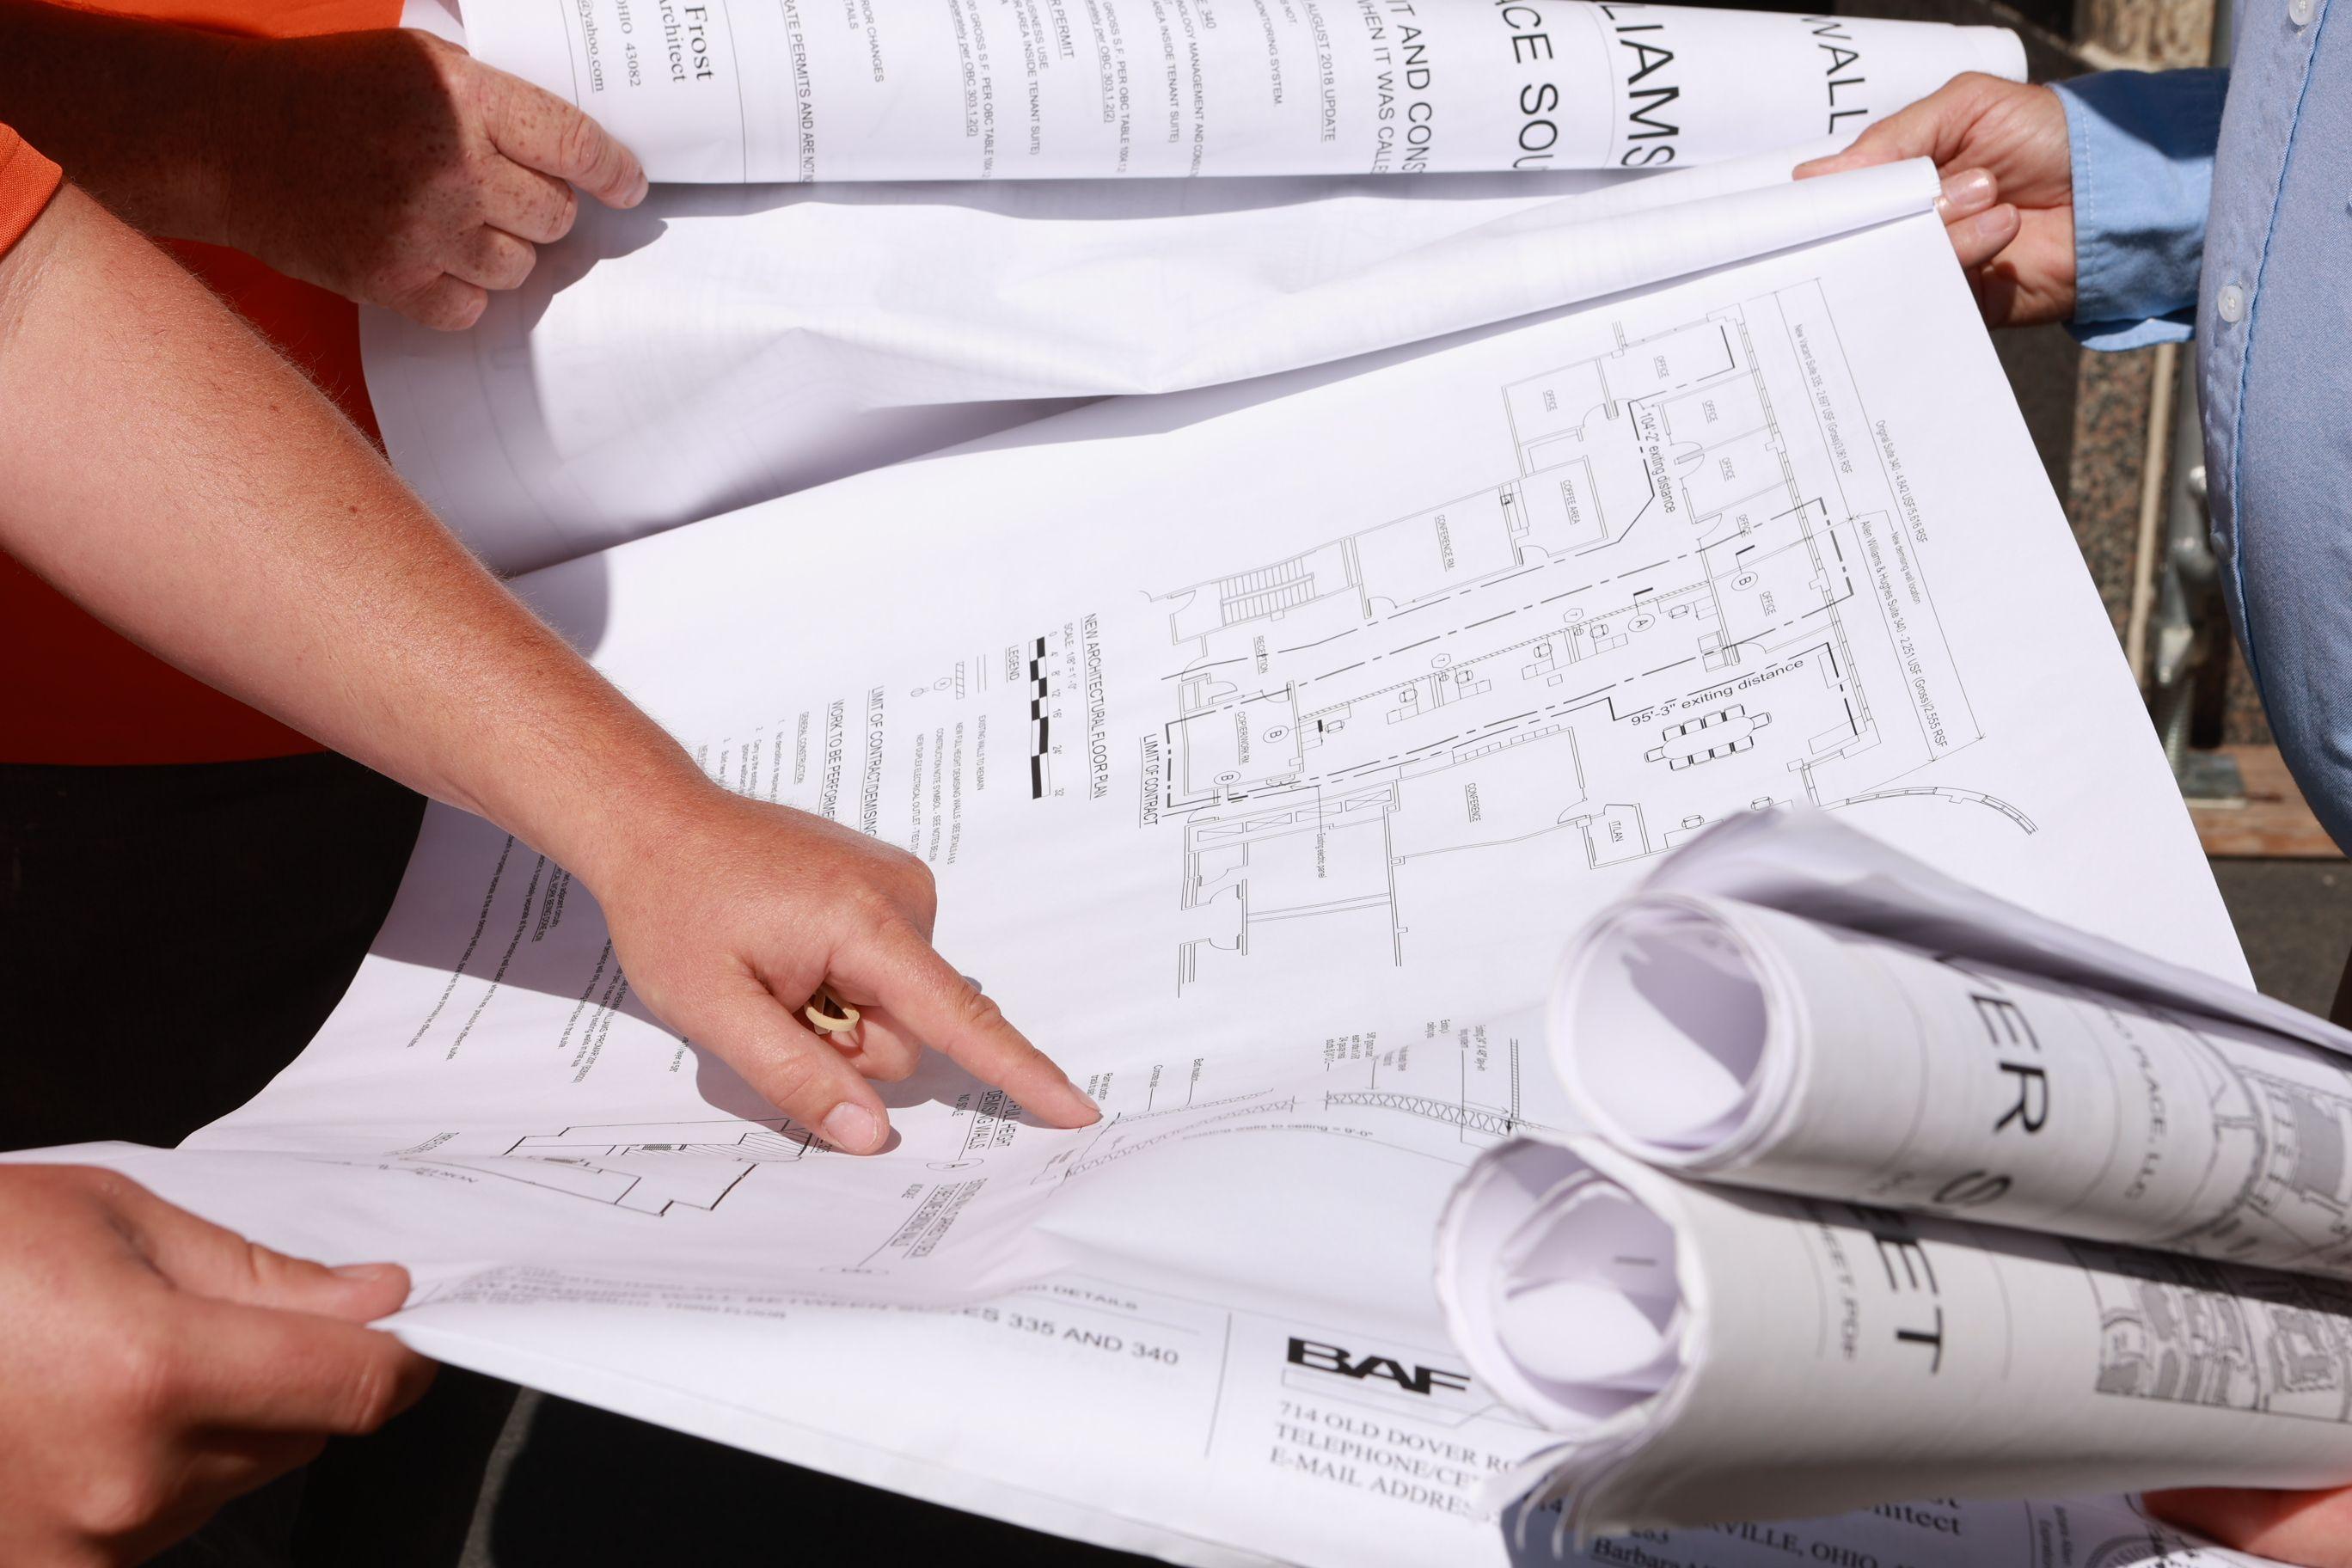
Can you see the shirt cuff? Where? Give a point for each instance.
(2141, 147)
(2172, 327)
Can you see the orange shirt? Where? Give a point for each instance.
(28, 181)
(71, 690)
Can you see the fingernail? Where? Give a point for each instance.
(852, 1128)
(1969, 190)
(367, 1273)
(1992, 225)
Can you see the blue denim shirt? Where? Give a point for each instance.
(2233, 211)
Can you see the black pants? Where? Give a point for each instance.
(170, 937)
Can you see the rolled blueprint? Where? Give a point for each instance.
(1706, 1354)
(1743, 1043)
(975, 89)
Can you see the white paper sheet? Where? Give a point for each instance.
(975, 89)
(1709, 1353)
(1805, 865)
(1736, 1041)
(715, 348)
(1268, 742)
(1755, 1017)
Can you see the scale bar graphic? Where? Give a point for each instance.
(1040, 721)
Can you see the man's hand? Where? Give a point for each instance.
(397, 170)
(2008, 189)
(2312, 1530)
(728, 919)
(153, 1367)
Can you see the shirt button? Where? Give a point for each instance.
(2300, 12)
(2230, 303)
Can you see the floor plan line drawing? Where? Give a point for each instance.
(1701, 592)
(647, 1167)
(2280, 1165)
(1448, 1093)
(1479, 1119)
(1478, 1123)
(2191, 1332)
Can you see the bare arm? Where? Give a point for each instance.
(170, 474)
(175, 478)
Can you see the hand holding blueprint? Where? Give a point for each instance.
(978, 89)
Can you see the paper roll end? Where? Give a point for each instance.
(1661, 1027)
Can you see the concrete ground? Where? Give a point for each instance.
(571, 1485)
(2295, 918)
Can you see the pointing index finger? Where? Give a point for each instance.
(957, 1019)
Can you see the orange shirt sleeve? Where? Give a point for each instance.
(28, 181)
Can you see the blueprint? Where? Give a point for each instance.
(2279, 1124)
(1661, 1330)
(2191, 1333)
(1731, 1038)
(644, 1166)
(1774, 533)
(1697, 594)
(720, 345)
(1943, 1156)
(712, 348)
(980, 89)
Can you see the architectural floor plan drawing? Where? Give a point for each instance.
(1702, 591)
(1446, 1090)
(1493, 1101)
(2200, 1333)
(646, 1166)
(2280, 1170)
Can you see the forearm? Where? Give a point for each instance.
(170, 474)
(135, 110)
